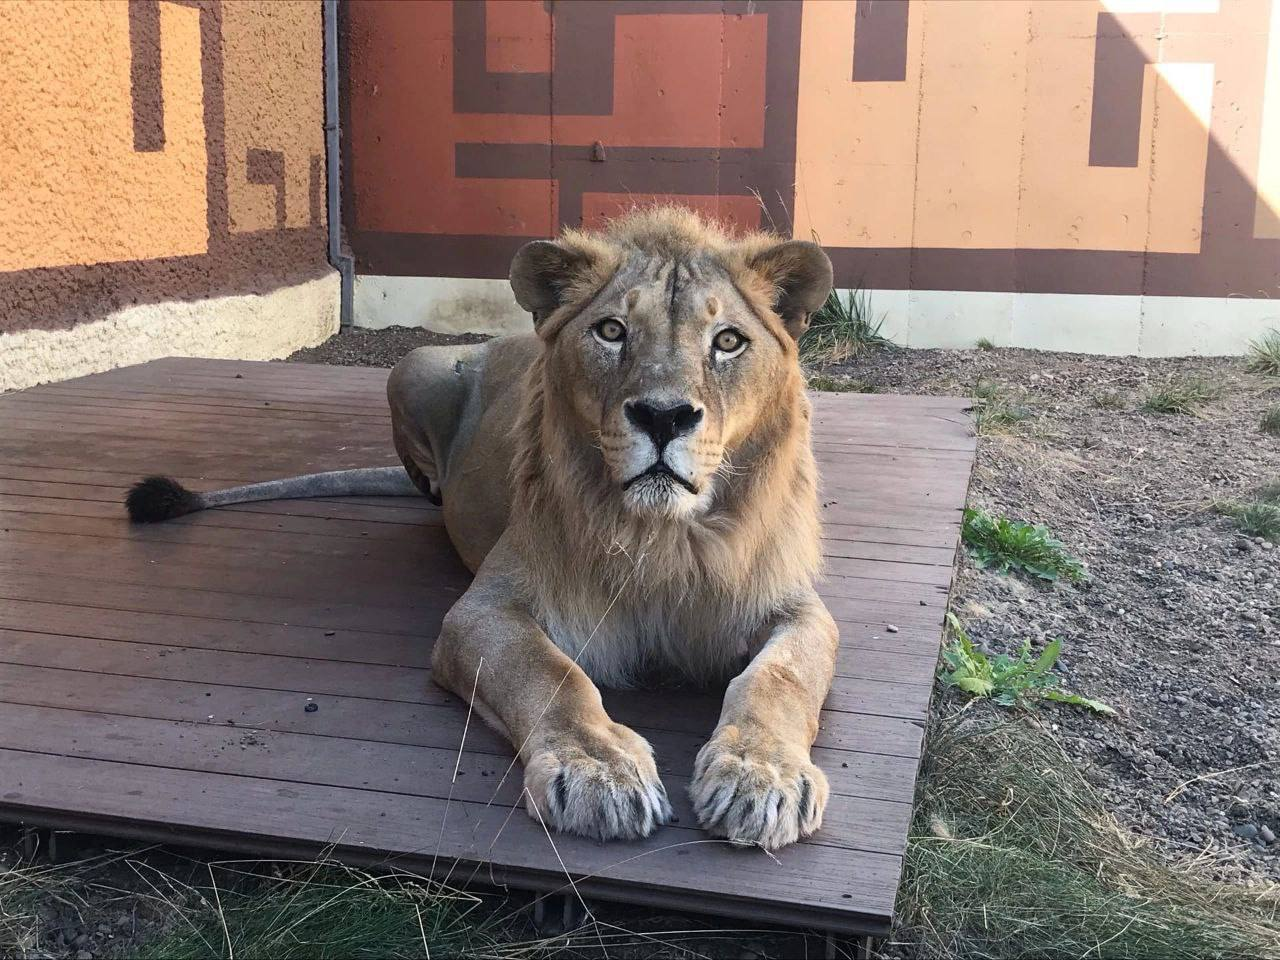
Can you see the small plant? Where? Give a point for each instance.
(1183, 397)
(820, 381)
(984, 343)
(842, 329)
(1271, 421)
(1008, 681)
(1002, 545)
(1109, 400)
(993, 411)
(1257, 519)
(1264, 354)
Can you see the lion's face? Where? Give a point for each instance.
(669, 369)
(672, 359)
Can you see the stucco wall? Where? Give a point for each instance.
(158, 153)
(1094, 174)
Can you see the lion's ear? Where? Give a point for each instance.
(541, 272)
(800, 273)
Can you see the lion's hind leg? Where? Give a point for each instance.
(427, 392)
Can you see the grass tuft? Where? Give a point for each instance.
(1005, 680)
(1271, 421)
(1259, 517)
(821, 381)
(1256, 519)
(1264, 354)
(320, 910)
(1004, 545)
(994, 411)
(1109, 400)
(984, 343)
(1181, 396)
(842, 329)
(1269, 493)
(1011, 854)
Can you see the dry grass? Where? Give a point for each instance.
(1270, 422)
(1012, 855)
(1183, 396)
(994, 409)
(829, 384)
(841, 330)
(1264, 354)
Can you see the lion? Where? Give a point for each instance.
(633, 486)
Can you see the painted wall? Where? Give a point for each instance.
(1092, 175)
(163, 183)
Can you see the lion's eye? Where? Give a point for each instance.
(730, 341)
(611, 330)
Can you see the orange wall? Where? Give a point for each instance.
(1063, 146)
(165, 149)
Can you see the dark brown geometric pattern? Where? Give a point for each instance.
(616, 81)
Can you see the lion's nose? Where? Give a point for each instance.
(663, 424)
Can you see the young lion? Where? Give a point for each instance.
(633, 486)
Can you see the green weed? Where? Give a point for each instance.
(1004, 545)
(1264, 354)
(1182, 396)
(1256, 519)
(984, 343)
(1271, 421)
(842, 329)
(1259, 517)
(1008, 681)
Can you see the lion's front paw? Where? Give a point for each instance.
(752, 788)
(599, 783)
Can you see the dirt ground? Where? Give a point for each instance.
(1178, 624)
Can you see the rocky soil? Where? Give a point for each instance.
(1178, 624)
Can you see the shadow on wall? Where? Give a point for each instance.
(167, 150)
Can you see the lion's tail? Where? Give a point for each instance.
(156, 499)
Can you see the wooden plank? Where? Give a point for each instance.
(357, 646)
(488, 841)
(849, 694)
(312, 522)
(855, 659)
(415, 770)
(852, 747)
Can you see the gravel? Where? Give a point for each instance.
(377, 348)
(1178, 625)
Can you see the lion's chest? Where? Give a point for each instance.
(627, 644)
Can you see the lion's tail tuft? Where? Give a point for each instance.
(156, 499)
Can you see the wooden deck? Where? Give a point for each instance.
(154, 681)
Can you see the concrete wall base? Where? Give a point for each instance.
(247, 327)
(1073, 323)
